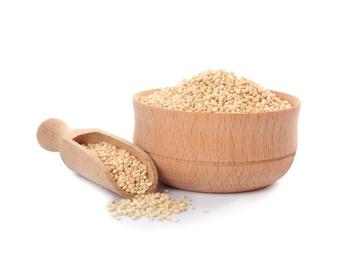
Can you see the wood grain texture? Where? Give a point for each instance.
(54, 135)
(218, 153)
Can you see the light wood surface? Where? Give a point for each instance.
(54, 135)
(218, 153)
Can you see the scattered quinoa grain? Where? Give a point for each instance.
(155, 206)
(127, 171)
(216, 91)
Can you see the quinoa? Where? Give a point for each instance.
(160, 206)
(130, 174)
(216, 91)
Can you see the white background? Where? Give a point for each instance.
(82, 61)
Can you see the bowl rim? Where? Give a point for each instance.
(295, 102)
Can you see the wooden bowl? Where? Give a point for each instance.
(218, 153)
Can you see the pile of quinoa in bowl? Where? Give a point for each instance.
(216, 91)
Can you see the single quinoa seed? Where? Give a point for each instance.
(130, 174)
(216, 91)
(155, 206)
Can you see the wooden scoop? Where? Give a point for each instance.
(54, 135)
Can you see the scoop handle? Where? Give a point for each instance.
(50, 133)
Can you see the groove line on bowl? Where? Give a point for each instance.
(225, 163)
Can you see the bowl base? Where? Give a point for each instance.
(204, 177)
